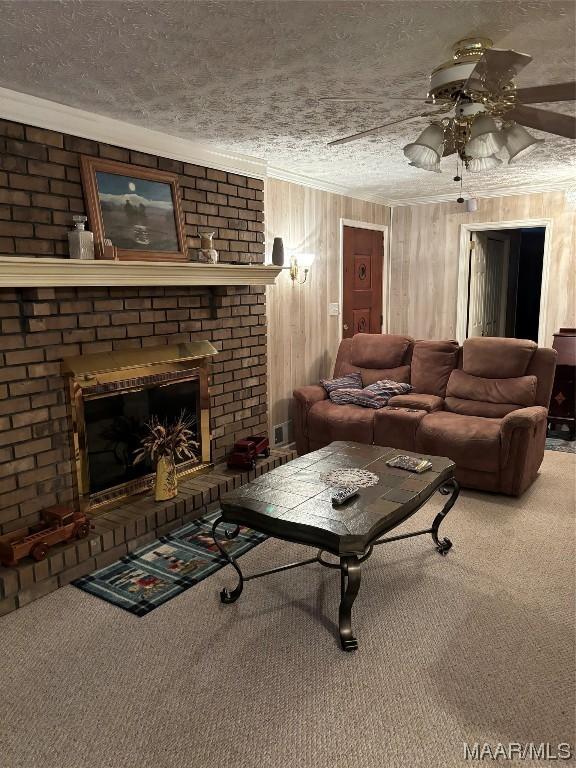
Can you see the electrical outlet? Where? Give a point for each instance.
(282, 433)
(334, 309)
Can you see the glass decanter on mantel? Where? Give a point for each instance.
(80, 240)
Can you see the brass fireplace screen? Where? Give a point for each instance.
(114, 394)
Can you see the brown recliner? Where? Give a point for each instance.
(483, 405)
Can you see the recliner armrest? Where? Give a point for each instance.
(313, 393)
(522, 418)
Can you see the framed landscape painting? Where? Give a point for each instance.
(137, 208)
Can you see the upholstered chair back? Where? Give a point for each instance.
(375, 356)
(494, 378)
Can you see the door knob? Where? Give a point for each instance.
(345, 326)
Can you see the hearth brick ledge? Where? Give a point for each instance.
(131, 524)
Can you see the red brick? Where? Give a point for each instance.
(62, 157)
(12, 130)
(14, 197)
(26, 149)
(12, 163)
(49, 201)
(42, 136)
(83, 146)
(115, 153)
(51, 170)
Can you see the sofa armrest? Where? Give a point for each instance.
(526, 419)
(307, 396)
(304, 399)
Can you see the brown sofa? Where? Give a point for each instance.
(484, 405)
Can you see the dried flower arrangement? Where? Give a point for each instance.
(164, 443)
(168, 440)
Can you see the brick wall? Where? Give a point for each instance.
(39, 193)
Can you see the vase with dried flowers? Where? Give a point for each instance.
(163, 443)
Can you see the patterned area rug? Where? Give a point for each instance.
(558, 444)
(150, 576)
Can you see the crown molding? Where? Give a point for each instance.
(293, 177)
(41, 113)
(562, 185)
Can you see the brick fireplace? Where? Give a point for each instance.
(40, 190)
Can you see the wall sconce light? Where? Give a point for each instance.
(300, 264)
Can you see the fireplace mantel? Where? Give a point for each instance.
(25, 272)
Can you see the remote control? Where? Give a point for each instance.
(343, 494)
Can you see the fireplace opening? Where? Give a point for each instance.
(113, 398)
(115, 425)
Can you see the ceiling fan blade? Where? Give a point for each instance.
(495, 69)
(379, 128)
(383, 100)
(541, 93)
(543, 120)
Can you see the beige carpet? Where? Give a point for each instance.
(474, 647)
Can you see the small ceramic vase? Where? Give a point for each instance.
(166, 479)
(208, 254)
(278, 252)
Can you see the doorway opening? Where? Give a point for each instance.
(505, 272)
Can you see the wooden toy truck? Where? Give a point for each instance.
(58, 524)
(246, 451)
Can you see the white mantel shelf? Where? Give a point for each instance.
(24, 272)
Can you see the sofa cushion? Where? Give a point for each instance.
(475, 408)
(470, 441)
(415, 400)
(397, 427)
(352, 380)
(328, 421)
(516, 389)
(371, 375)
(497, 357)
(375, 350)
(432, 364)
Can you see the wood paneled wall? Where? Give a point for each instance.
(424, 246)
(302, 338)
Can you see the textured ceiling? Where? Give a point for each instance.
(245, 76)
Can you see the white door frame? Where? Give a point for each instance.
(464, 269)
(385, 268)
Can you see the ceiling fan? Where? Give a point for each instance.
(472, 92)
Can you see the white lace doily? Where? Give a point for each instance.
(350, 477)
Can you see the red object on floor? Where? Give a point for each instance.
(247, 450)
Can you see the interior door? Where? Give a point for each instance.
(488, 278)
(362, 294)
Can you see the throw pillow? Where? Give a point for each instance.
(386, 388)
(374, 396)
(357, 397)
(350, 381)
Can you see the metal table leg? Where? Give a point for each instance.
(452, 488)
(350, 574)
(225, 595)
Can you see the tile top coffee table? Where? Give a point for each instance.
(293, 503)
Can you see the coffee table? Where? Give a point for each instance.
(293, 503)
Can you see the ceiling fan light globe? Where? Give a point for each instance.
(478, 164)
(435, 168)
(519, 142)
(485, 138)
(428, 147)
